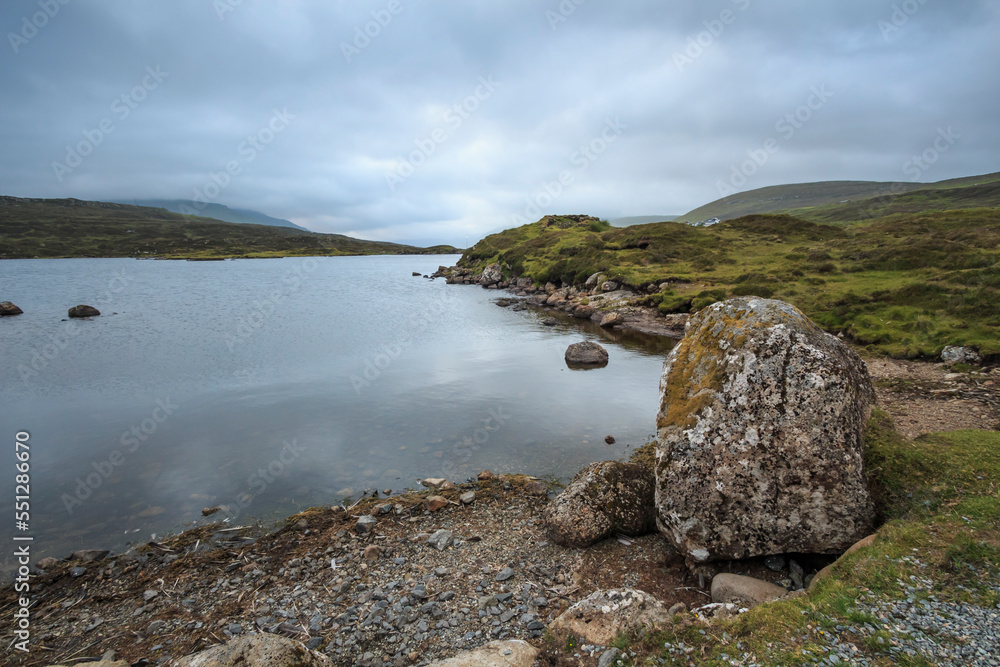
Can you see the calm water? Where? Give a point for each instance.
(268, 386)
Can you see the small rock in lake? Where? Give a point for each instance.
(7, 308)
(83, 311)
(209, 511)
(550, 321)
(89, 555)
(485, 475)
(586, 353)
(610, 439)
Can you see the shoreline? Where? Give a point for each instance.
(388, 593)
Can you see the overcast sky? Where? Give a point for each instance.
(436, 122)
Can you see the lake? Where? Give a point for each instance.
(268, 386)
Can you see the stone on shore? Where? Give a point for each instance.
(586, 354)
(612, 319)
(83, 311)
(744, 590)
(434, 503)
(510, 653)
(956, 355)
(89, 555)
(603, 499)
(603, 615)
(492, 274)
(761, 435)
(256, 650)
(583, 311)
(7, 309)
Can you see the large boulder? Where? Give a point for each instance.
(257, 650)
(83, 311)
(760, 436)
(603, 499)
(492, 274)
(7, 308)
(586, 354)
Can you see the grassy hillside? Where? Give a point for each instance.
(902, 284)
(74, 228)
(800, 197)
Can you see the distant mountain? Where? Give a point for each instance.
(641, 220)
(801, 197)
(75, 228)
(216, 211)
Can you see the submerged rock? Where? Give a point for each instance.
(603, 499)
(7, 308)
(83, 311)
(586, 354)
(760, 436)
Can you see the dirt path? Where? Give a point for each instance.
(927, 397)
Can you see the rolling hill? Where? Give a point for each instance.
(74, 228)
(801, 197)
(904, 284)
(216, 211)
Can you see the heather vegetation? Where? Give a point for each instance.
(903, 275)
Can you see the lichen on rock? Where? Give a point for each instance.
(760, 436)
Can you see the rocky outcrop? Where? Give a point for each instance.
(7, 309)
(511, 653)
(83, 311)
(746, 591)
(603, 615)
(260, 650)
(603, 499)
(760, 436)
(586, 354)
(492, 275)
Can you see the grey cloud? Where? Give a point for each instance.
(565, 69)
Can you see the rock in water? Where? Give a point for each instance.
(603, 499)
(760, 436)
(586, 354)
(83, 311)
(7, 308)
